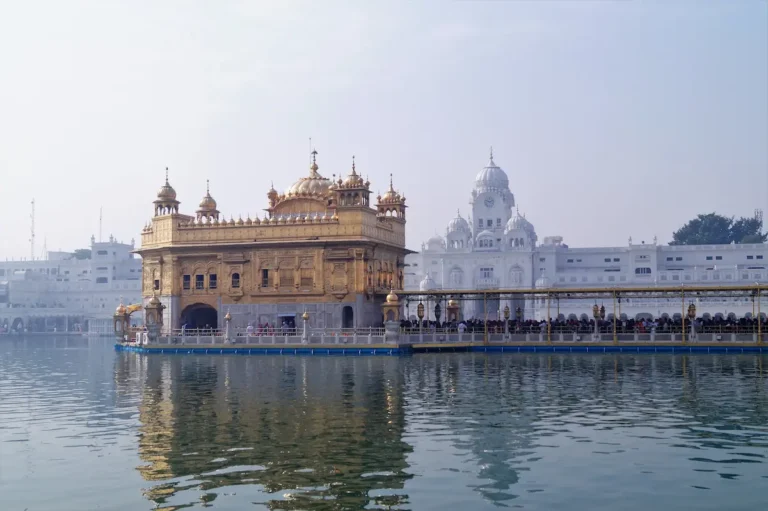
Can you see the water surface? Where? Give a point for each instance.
(83, 427)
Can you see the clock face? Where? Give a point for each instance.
(489, 202)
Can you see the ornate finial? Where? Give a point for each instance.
(166, 175)
(458, 212)
(390, 183)
(353, 163)
(207, 187)
(491, 152)
(314, 166)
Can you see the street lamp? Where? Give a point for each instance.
(507, 313)
(305, 328)
(596, 315)
(420, 315)
(691, 318)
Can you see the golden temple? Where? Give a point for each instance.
(321, 248)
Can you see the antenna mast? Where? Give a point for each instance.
(32, 233)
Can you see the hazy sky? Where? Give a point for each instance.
(611, 118)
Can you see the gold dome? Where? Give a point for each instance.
(121, 309)
(353, 179)
(312, 185)
(208, 203)
(391, 195)
(391, 297)
(452, 303)
(154, 301)
(305, 316)
(166, 192)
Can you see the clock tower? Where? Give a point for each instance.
(492, 201)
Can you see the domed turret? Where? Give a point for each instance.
(520, 232)
(390, 196)
(391, 204)
(518, 222)
(427, 284)
(166, 203)
(491, 177)
(313, 185)
(391, 297)
(207, 208)
(436, 243)
(353, 180)
(458, 224)
(272, 194)
(166, 192)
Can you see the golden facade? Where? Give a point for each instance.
(321, 247)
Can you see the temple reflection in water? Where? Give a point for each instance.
(394, 433)
(302, 429)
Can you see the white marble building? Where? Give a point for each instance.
(497, 247)
(63, 284)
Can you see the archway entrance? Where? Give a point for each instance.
(200, 315)
(347, 317)
(17, 325)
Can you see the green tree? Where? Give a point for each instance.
(82, 253)
(714, 229)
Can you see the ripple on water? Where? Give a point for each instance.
(459, 431)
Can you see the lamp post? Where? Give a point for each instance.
(227, 320)
(420, 315)
(691, 318)
(305, 331)
(596, 315)
(507, 313)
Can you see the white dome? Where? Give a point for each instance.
(518, 222)
(435, 243)
(542, 282)
(485, 234)
(458, 224)
(428, 284)
(491, 176)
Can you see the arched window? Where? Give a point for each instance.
(235, 280)
(456, 277)
(516, 276)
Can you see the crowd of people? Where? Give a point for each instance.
(663, 324)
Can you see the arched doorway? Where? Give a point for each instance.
(17, 325)
(200, 315)
(347, 317)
